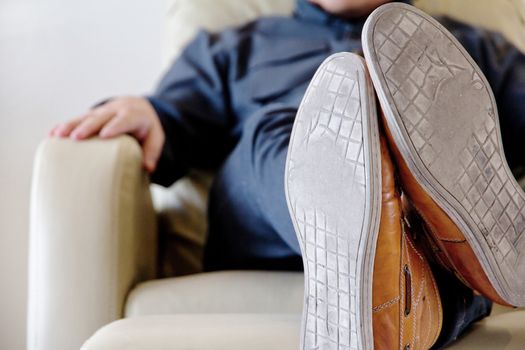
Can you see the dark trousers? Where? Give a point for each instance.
(250, 227)
(249, 223)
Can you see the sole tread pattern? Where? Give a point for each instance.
(448, 121)
(328, 190)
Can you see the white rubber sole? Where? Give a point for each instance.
(333, 189)
(443, 117)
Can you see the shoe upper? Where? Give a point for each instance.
(407, 310)
(450, 245)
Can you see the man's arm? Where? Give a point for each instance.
(192, 102)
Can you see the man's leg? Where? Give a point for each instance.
(249, 224)
(461, 307)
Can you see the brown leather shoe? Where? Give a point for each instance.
(407, 310)
(442, 125)
(337, 204)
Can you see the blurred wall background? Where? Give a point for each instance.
(58, 57)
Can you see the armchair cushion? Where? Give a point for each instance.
(200, 332)
(254, 292)
(269, 331)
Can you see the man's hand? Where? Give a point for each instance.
(124, 115)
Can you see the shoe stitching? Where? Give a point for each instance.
(426, 342)
(419, 294)
(386, 304)
(438, 300)
(415, 250)
(429, 310)
(421, 290)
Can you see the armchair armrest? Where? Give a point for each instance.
(92, 237)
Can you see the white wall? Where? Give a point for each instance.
(57, 57)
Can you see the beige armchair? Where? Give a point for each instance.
(99, 244)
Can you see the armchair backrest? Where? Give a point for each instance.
(505, 16)
(186, 17)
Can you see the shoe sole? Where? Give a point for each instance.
(443, 117)
(333, 192)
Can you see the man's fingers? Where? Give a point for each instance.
(93, 123)
(51, 132)
(152, 148)
(127, 115)
(64, 129)
(122, 124)
(151, 137)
